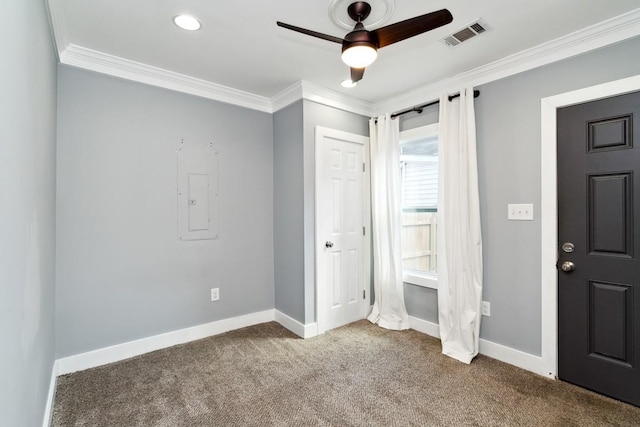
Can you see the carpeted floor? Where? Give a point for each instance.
(357, 375)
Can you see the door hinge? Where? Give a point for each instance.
(363, 232)
(364, 294)
(363, 166)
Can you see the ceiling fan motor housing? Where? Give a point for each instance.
(360, 37)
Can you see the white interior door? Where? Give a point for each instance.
(342, 238)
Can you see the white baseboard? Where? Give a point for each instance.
(424, 326)
(303, 331)
(512, 356)
(130, 349)
(500, 352)
(48, 410)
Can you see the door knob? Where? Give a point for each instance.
(328, 244)
(568, 266)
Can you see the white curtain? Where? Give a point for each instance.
(388, 309)
(459, 236)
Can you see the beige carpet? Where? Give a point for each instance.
(357, 375)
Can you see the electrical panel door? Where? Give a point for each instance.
(197, 190)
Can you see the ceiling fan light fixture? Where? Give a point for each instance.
(187, 22)
(360, 55)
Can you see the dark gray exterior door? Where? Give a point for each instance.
(599, 215)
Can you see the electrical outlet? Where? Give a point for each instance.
(486, 308)
(520, 212)
(215, 294)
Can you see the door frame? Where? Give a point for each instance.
(321, 132)
(549, 206)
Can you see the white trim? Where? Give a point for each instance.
(511, 356)
(499, 352)
(549, 208)
(303, 331)
(287, 97)
(130, 349)
(101, 62)
(425, 280)
(549, 236)
(368, 242)
(104, 63)
(424, 326)
(596, 36)
(315, 93)
(321, 95)
(427, 131)
(48, 410)
(55, 9)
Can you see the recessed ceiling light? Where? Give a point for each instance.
(187, 22)
(348, 83)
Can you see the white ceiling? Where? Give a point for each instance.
(240, 46)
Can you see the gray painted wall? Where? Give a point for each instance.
(319, 115)
(294, 190)
(122, 273)
(414, 120)
(508, 136)
(27, 212)
(288, 192)
(508, 123)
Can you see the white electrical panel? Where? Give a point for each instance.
(197, 190)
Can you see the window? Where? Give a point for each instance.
(419, 181)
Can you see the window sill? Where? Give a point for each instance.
(420, 279)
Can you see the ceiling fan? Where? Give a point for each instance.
(360, 46)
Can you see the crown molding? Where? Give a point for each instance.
(322, 95)
(605, 33)
(101, 62)
(55, 9)
(290, 95)
(312, 92)
(599, 35)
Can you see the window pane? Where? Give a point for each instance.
(419, 241)
(420, 182)
(419, 166)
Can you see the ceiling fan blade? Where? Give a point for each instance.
(412, 27)
(310, 32)
(357, 74)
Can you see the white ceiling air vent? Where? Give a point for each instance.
(464, 34)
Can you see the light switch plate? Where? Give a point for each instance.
(520, 212)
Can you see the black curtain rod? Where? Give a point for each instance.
(419, 108)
